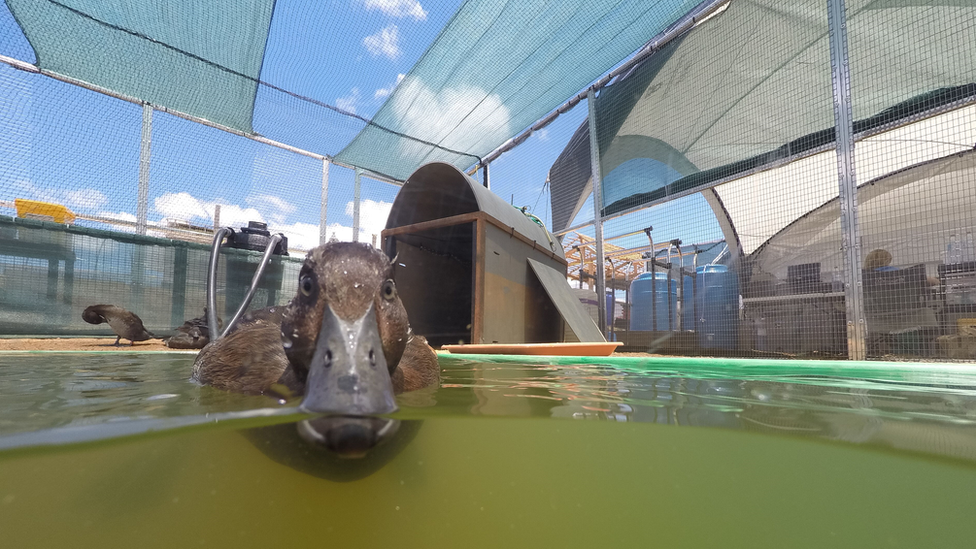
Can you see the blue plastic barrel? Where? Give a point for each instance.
(717, 306)
(688, 319)
(644, 295)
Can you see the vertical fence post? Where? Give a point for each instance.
(595, 174)
(145, 155)
(323, 215)
(355, 206)
(850, 232)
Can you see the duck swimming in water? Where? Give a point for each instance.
(125, 324)
(343, 343)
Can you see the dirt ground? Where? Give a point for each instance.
(107, 344)
(81, 344)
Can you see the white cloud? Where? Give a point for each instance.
(372, 218)
(88, 199)
(181, 206)
(385, 92)
(277, 209)
(457, 118)
(186, 207)
(399, 8)
(349, 102)
(542, 135)
(385, 42)
(121, 216)
(301, 236)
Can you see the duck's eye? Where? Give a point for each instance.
(306, 285)
(389, 290)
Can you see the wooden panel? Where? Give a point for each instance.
(478, 284)
(434, 224)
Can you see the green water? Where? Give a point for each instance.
(122, 451)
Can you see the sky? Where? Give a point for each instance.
(69, 145)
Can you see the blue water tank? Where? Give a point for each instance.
(716, 305)
(645, 295)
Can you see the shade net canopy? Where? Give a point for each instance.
(497, 68)
(750, 88)
(202, 58)
(494, 68)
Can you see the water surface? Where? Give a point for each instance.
(521, 453)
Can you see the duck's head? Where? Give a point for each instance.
(345, 331)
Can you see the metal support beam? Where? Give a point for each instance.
(323, 215)
(847, 182)
(145, 156)
(355, 206)
(601, 280)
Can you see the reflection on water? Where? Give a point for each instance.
(303, 446)
(926, 417)
(925, 412)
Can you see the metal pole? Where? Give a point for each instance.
(145, 154)
(667, 291)
(647, 231)
(355, 207)
(847, 182)
(680, 303)
(486, 181)
(323, 216)
(601, 282)
(694, 289)
(612, 312)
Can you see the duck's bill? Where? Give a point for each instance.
(348, 375)
(348, 436)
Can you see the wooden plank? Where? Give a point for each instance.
(478, 284)
(568, 305)
(434, 224)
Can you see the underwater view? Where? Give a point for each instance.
(121, 450)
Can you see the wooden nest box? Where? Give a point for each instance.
(471, 268)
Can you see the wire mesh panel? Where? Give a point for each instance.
(50, 273)
(721, 140)
(913, 94)
(521, 176)
(247, 180)
(375, 201)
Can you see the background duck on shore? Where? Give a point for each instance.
(193, 334)
(125, 324)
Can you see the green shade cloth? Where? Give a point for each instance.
(103, 42)
(496, 68)
(751, 87)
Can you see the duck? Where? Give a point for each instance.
(343, 344)
(125, 324)
(193, 334)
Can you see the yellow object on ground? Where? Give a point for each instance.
(32, 208)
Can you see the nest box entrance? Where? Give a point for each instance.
(471, 268)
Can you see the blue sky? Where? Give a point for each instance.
(69, 145)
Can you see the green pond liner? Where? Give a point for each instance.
(925, 373)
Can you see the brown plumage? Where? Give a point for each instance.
(193, 334)
(345, 332)
(125, 324)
